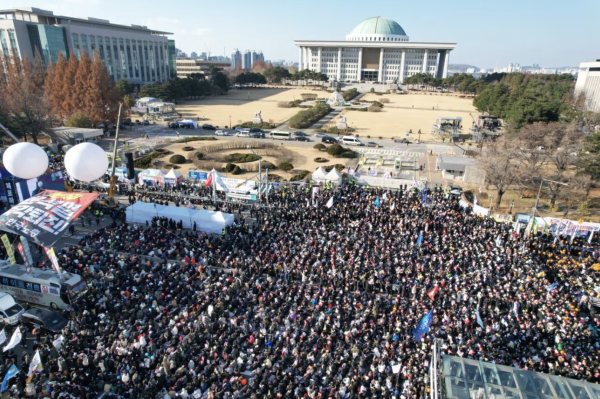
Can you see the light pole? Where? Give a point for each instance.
(537, 199)
(259, 170)
(230, 122)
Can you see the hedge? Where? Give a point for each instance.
(177, 159)
(264, 125)
(238, 157)
(335, 150)
(349, 94)
(146, 161)
(320, 147)
(195, 138)
(309, 116)
(286, 166)
(300, 176)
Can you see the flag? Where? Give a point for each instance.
(432, 292)
(209, 180)
(393, 206)
(26, 249)
(479, 321)
(423, 326)
(12, 371)
(35, 366)
(396, 368)
(9, 250)
(54, 259)
(330, 202)
(2, 337)
(424, 198)
(591, 236)
(420, 239)
(14, 340)
(377, 202)
(58, 343)
(551, 287)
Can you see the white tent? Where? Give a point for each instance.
(320, 175)
(151, 176)
(173, 177)
(209, 221)
(188, 122)
(334, 177)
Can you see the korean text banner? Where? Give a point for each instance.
(45, 217)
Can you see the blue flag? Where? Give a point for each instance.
(420, 239)
(424, 198)
(423, 326)
(377, 202)
(12, 371)
(551, 287)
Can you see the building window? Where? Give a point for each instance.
(76, 49)
(116, 58)
(101, 48)
(109, 61)
(123, 58)
(128, 49)
(4, 43)
(84, 46)
(135, 58)
(147, 61)
(92, 45)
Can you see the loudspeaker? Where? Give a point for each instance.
(130, 170)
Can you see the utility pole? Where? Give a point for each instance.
(268, 187)
(113, 178)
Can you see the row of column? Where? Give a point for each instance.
(306, 54)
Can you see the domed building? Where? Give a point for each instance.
(378, 50)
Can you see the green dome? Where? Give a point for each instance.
(378, 26)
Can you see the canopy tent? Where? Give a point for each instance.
(173, 177)
(208, 221)
(334, 177)
(151, 176)
(320, 175)
(188, 122)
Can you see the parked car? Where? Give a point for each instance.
(10, 310)
(206, 126)
(329, 140)
(239, 129)
(407, 141)
(350, 140)
(146, 123)
(300, 134)
(256, 130)
(320, 135)
(372, 144)
(46, 319)
(243, 133)
(302, 138)
(222, 133)
(256, 135)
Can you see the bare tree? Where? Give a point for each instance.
(501, 166)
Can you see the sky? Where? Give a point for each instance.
(527, 32)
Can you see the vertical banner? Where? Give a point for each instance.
(54, 260)
(9, 249)
(22, 252)
(27, 250)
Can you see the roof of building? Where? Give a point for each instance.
(454, 163)
(378, 26)
(75, 130)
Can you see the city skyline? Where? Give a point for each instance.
(518, 32)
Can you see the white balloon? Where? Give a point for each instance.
(25, 160)
(86, 162)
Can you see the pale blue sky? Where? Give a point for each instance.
(549, 33)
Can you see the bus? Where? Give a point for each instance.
(280, 135)
(41, 286)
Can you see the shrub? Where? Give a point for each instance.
(320, 147)
(146, 161)
(372, 90)
(374, 108)
(335, 130)
(335, 150)
(295, 103)
(338, 166)
(230, 167)
(267, 165)
(188, 148)
(348, 154)
(199, 155)
(300, 176)
(384, 100)
(308, 96)
(274, 177)
(196, 138)
(238, 157)
(264, 125)
(177, 159)
(237, 170)
(349, 94)
(321, 160)
(309, 116)
(286, 166)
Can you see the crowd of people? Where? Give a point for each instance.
(304, 300)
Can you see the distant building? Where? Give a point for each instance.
(245, 59)
(132, 52)
(377, 49)
(187, 66)
(459, 168)
(236, 59)
(203, 55)
(193, 54)
(588, 85)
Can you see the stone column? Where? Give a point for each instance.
(319, 52)
(380, 75)
(359, 69)
(424, 69)
(300, 58)
(441, 62)
(446, 62)
(401, 74)
(339, 64)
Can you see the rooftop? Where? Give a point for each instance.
(378, 26)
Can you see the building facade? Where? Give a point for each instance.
(588, 85)
(245, 59)
(134, 52)
(376, 50)
(187, 66)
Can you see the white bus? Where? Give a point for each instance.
(41, 286)
(280, 135)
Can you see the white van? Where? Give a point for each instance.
(10, 311)
(350, 140)
(275, 135)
